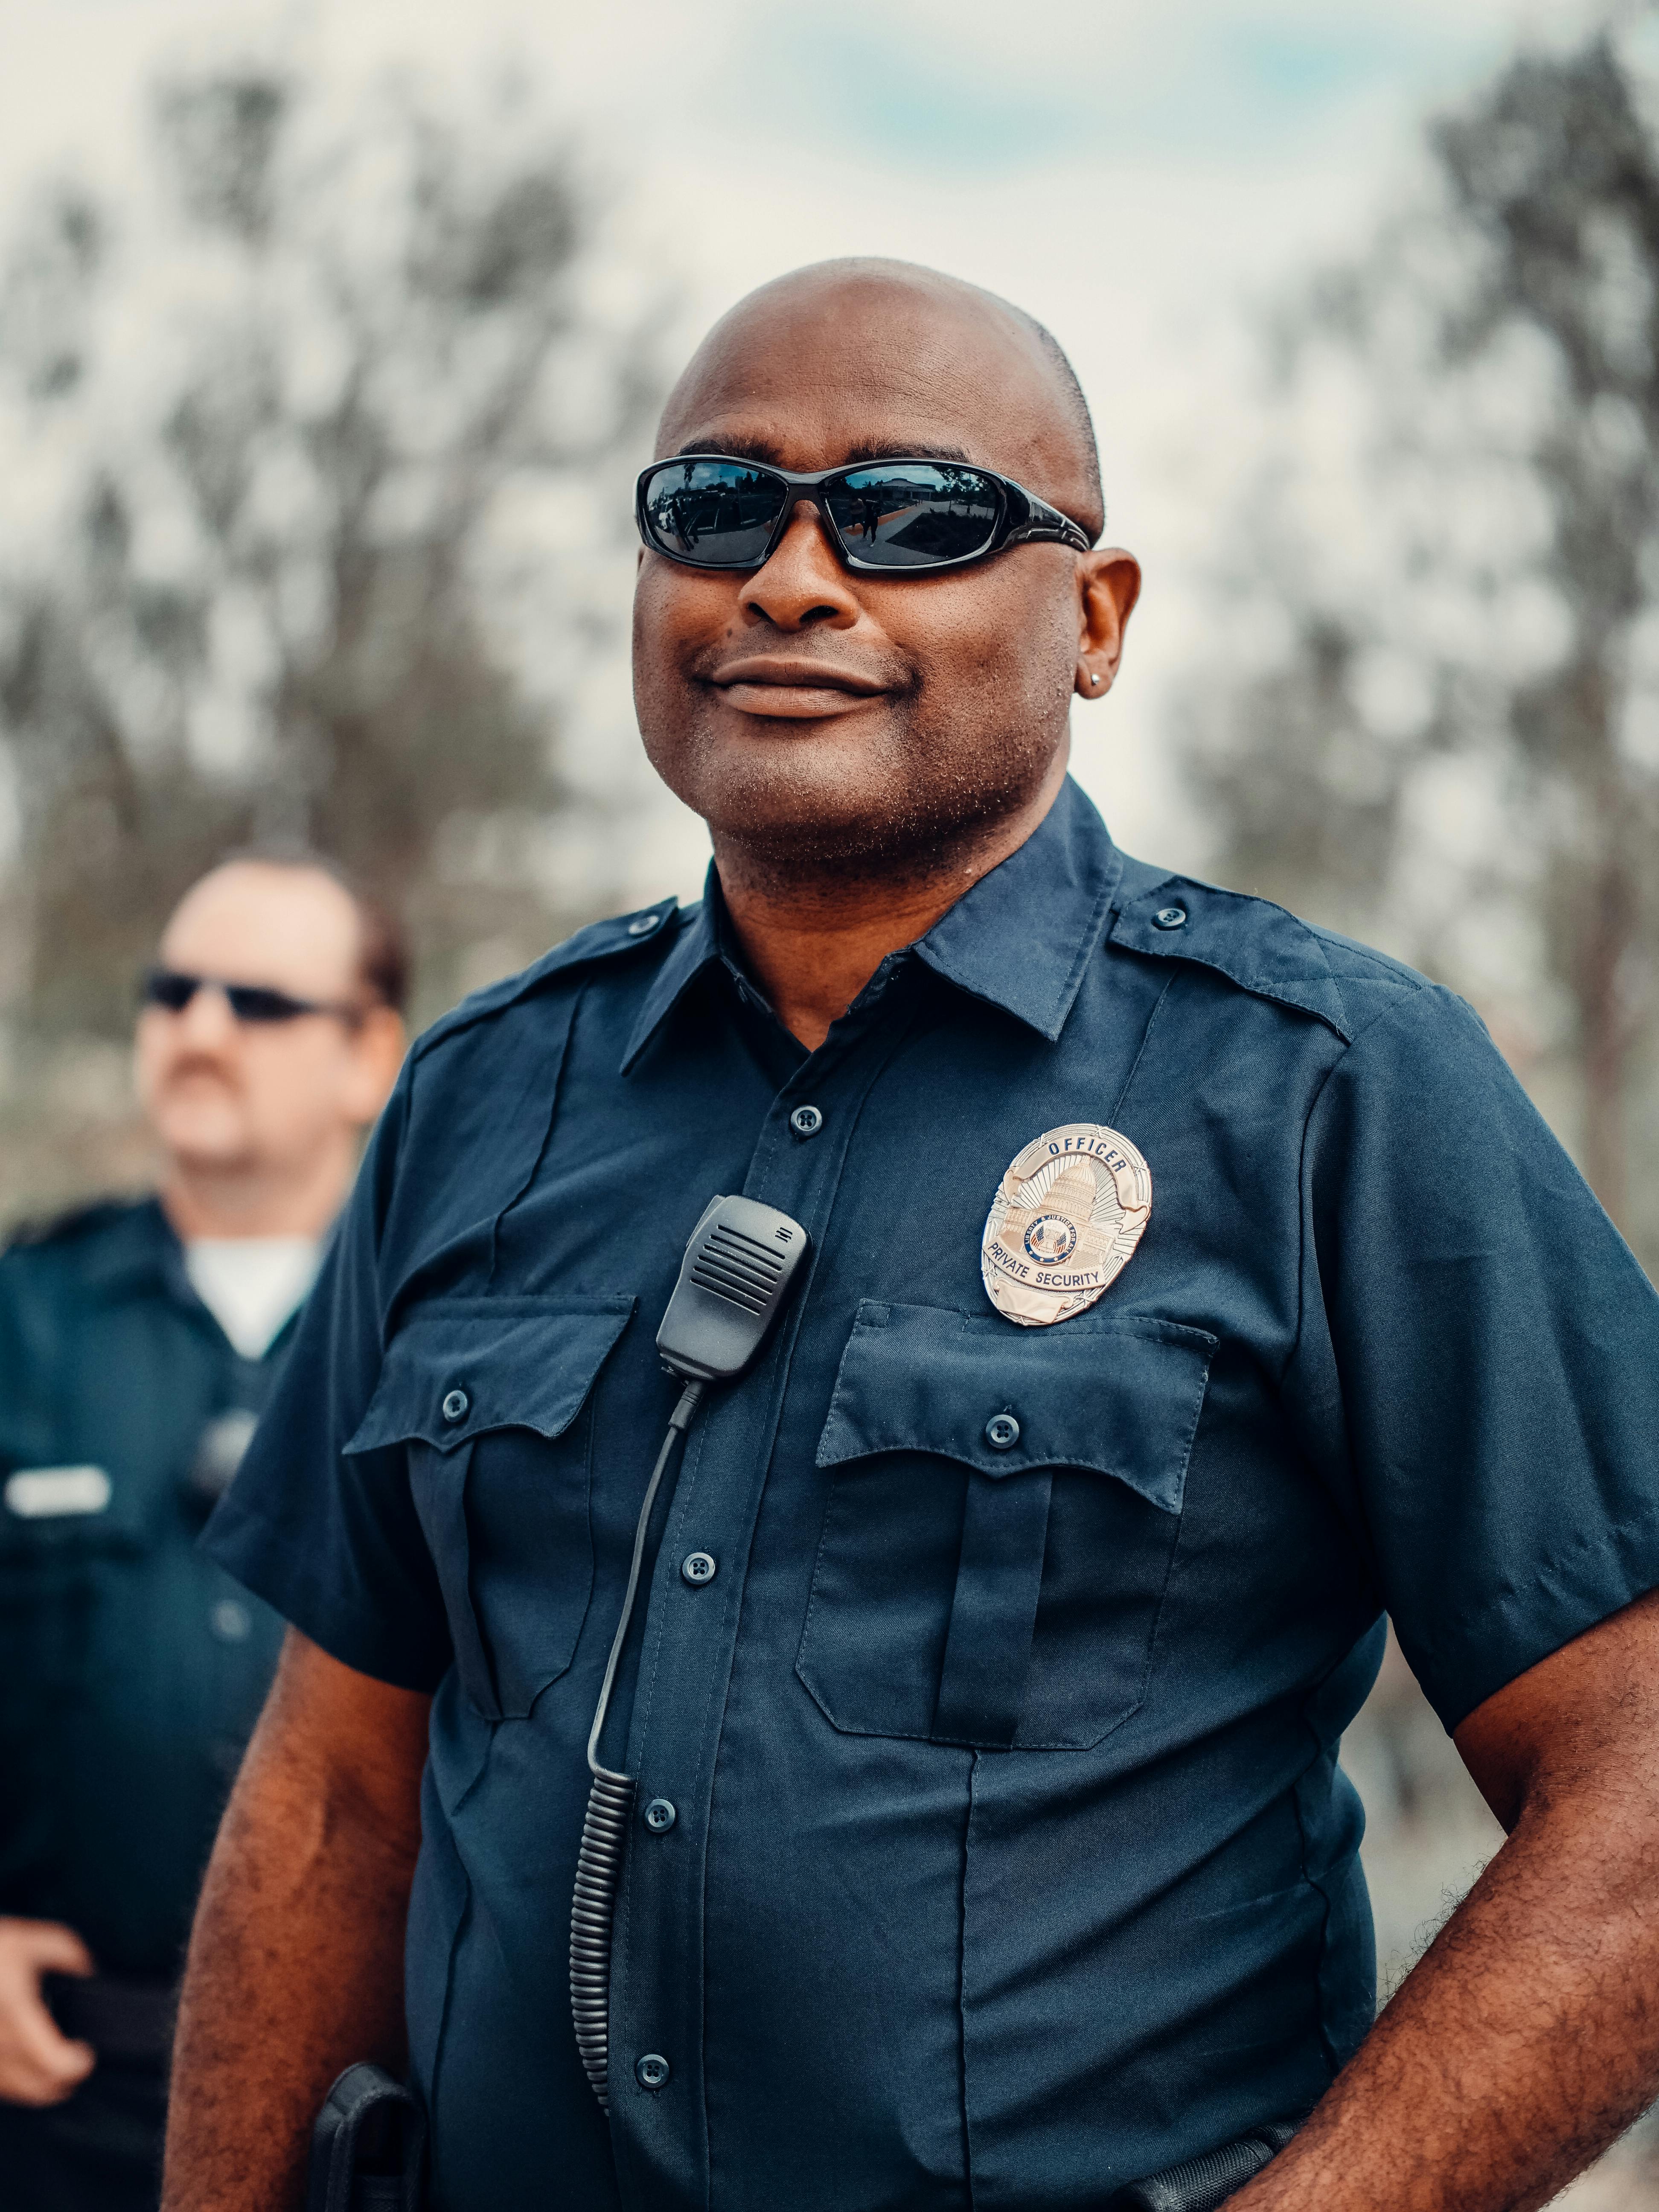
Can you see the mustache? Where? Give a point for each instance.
(197, 1062)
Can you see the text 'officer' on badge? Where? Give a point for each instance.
(1066, 1219)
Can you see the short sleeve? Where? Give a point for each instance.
(1479, 1356)
(334, 1543)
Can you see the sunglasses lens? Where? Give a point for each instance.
(250, 1003)
(914, 515)
(165, 987)
(719, 514)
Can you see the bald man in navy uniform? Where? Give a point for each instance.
(999, 1628)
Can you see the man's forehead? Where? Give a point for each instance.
(293, 919)
(824, 368)
(256, 886)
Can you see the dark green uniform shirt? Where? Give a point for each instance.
(131, 1667)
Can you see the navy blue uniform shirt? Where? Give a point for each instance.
(131, 1667)
(1378, 1348)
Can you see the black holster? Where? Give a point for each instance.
(367, 2146)
(1198, 2184)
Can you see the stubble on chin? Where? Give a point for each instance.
(782, 810)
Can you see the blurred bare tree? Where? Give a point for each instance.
(302, 428)
(1450, 739)
(1432, 719)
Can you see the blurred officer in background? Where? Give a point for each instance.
(138, 1341)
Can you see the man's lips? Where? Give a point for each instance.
(798, 688)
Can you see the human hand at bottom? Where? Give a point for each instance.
(39, 2065)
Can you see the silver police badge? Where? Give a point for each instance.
(1064, 1223)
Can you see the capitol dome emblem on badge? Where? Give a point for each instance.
(1051, 1238)
(1064, 1223)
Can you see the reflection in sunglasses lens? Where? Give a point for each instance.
(719, 513)
(913, 514)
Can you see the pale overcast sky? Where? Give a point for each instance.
(1135, 172)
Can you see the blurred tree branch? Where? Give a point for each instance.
(1477, 400)
(291, 430)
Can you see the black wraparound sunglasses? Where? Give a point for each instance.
(899, 518)
(249, 1002)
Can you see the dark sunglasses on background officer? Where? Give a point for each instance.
(257, 1003)
(890, 518)
(226, 1438)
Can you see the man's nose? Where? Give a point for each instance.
(803, 585)
(206, 1019)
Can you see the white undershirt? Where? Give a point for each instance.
(251, 1284)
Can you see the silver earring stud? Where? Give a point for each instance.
(1094, 679)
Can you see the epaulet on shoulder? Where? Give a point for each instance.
(1263, 948)
(646, 927)
(85, 1219)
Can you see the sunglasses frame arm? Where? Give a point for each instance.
(1045, 525)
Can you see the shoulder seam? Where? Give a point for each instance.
(1406, 999)
(570, 959)
(1385, 967)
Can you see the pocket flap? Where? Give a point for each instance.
(460, 1366)
(1118, 1394)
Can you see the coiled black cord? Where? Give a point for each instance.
(609, 1806)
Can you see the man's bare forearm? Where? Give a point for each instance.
(296, 1966)
(1527, 2040)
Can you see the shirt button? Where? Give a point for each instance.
(643, 924)
(807, 1120)
(1002, 1432)
(455, 1406)
(229, 1621)
(697, 1568)
(1169, 917)
(660, 1816)
(652, 2071)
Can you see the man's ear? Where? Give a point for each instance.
(378, 1049)
(1109, 584)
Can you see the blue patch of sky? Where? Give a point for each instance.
(1251, 89)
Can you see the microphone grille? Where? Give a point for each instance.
(738, 1268)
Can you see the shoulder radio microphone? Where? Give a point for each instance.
(737, 1271)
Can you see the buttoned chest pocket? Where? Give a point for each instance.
(64, 1530)
(1002, 1515)
(492, 1400)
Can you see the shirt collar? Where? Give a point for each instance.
(145, 1252)
(1020, 939)
(696, 947)
(141, 1248)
